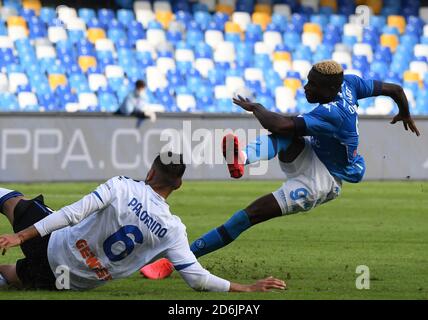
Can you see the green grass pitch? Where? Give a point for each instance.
(383, 225)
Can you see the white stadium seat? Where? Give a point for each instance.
(363, 49)
(186, 102)
(87, 99)
(420, 67)
(27, 99)
(142, 5)
(104, 45)
(164, 6)
(114, 71)
(6, 12)
(222, 92)
(314, 4)
(144, 16)
(165, 64)
(353, 71)
(143, 45)
(45, 52)
(272, 39)
(156, 36)
(66, 14)
(282, 67)
(4, 83)
(213, 38)
(72, 107)
(423, 13)
(234, 84)
(343, 58)
(254, 74)
(56, 33)
(17, 79)
(76, 24)
(184, 55)
(155, 79)
(17, 32)
(355, 30)
(242, 19)
(312, 40)
(96, 81)
(426, 30)
(262, 48)
(204, 65)
(6, 42)
(383, 106)
(225, 52)
(285, 100)
(421, 50)
(282, 9)
(303, 67)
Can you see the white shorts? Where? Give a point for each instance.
(308, 184)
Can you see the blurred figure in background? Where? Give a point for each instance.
(135, 103)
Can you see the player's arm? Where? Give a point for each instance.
(67, 216)
(373, 88)
(274, 122)
(396, 92)
(200, 279)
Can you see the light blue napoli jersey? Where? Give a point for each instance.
(334, 129)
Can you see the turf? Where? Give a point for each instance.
(383, 225)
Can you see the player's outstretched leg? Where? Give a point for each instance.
(262, 209)
(265, 147)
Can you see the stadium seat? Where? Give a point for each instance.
(398, 22)
(27, 99)
(95, 34)
(186, 102)
(86, 62)
(285, 99)
(389, 40)
(262, 19)
(56, 80)
(242, 19)
(97, 81)
(87, 100)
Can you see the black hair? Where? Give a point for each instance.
(140, 84)
(170, 166)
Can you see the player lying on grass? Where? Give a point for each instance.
(314, 167)
(109, 234)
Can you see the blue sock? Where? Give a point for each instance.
(221, 236)
(266, 147)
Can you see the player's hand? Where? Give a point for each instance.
(245, 103)
(8, 241)
(407, 122)
(268, 284)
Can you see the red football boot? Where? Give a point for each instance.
(230, 145)
(157, 270)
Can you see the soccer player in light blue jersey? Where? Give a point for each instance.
(317, 151)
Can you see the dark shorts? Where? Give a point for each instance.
(34, 270)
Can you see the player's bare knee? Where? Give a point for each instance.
(9, 207)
